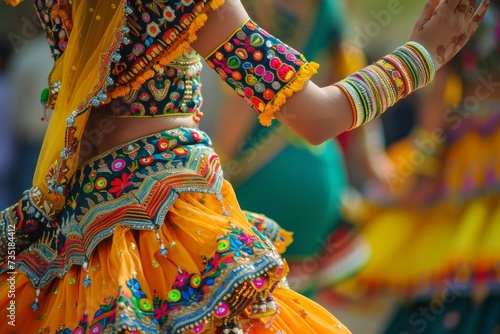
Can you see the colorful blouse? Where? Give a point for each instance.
(151, 71)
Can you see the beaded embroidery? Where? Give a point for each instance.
(151, 171)
(198, 302)
(151, 34)
(55, 17)
(174, 90)
(261, 69)
(144, 178)
(151, 29)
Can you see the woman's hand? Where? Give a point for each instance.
(446, 25)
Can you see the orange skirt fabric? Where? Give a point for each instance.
(131, 283)
(209, 268)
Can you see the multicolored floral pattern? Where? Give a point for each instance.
(224, 289)
(55, 17)
(151, 171)
(256, 65)
(20, 226)
(153, 28)
(172, 90)
(151, 33)
(273, 232)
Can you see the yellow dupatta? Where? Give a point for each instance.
(82, 71)
(98, 29)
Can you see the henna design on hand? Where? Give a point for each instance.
(477, 19)
(456, 43)
(462, 8)
(447, 51)
(427, 7)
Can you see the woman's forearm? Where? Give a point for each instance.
(318, 114)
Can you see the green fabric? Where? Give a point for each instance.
(328, 29)
(301, 189)
(326, 24)
(302, 185)
(448, 316)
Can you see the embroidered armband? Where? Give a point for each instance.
(261, 69)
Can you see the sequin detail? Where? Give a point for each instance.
(199, 301)
(55, 18)
(175, 89)
(260, 68)
(151, 172)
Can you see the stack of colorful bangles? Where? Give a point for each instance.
(377, 87)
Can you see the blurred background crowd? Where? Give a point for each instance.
(397, 224)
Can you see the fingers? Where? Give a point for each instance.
(478, 16)
(462, 7)
(466, 8)
(470, 9)
(459, 6)
(449, 4)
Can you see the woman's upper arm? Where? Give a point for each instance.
(316, 114)
(221, 23)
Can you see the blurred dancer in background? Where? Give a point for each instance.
(7, 135)
(28, 72)
(130, 225)
(435, 237)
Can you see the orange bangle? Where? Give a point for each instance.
(353, 106)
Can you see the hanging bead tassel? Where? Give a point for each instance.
(163, 250)
(236, 329)
(86, 281)
(226, 329)
(231, 328)
(44, 97)
(270, 303)
(264, 308)
(255, 308)
(259, 305)
(225, 212)
(34, 305)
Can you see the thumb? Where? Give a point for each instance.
(427, 13)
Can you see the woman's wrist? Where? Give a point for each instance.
(375, 88)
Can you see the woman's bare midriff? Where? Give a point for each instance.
(103, 133)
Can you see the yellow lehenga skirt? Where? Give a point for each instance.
(207, 267)
(452, 237)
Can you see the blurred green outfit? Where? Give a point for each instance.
(295, 183)
(301, 187)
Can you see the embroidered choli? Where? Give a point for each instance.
(55, 18)
(151, 71)
(173, 89)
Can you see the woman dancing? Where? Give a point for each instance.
(129, 226)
